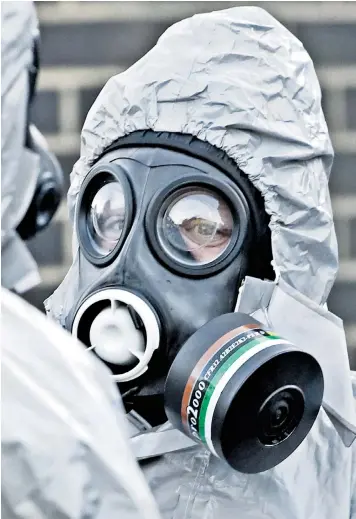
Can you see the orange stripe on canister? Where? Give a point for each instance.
(201, 363)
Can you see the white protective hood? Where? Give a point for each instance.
(19, 165)
(241, 81)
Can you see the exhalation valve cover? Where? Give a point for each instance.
(121, 328)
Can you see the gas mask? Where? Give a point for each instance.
(49, 185)
(48, 191)
(168, 227)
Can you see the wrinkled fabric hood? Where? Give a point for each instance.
(241, 81)
(19, 28)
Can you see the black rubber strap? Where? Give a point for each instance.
(32, 82)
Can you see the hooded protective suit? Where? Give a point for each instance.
(64, 442)
(31, 184)
(238, 80)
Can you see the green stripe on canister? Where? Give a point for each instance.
(224, 366)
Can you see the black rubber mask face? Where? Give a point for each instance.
(49, 189)
(171, 229)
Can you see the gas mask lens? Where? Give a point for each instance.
(104, 213)
(196, 226)
(106, 217)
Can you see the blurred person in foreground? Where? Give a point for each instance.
(201, 165)
(64, 447)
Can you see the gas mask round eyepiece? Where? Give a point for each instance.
(104, 213)
(196, 221)
(247, 394)
(195, 224)
(107, 217)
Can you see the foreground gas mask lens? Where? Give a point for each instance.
(106, 217)
(104, 213)
(198, 224)
(196, 227)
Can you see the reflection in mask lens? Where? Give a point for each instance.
(106, 217)
(196, 227)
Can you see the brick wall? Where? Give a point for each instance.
(83, 44)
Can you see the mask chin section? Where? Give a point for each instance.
(245, 393)
(121, 328)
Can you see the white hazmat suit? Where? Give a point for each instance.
(240, 81)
